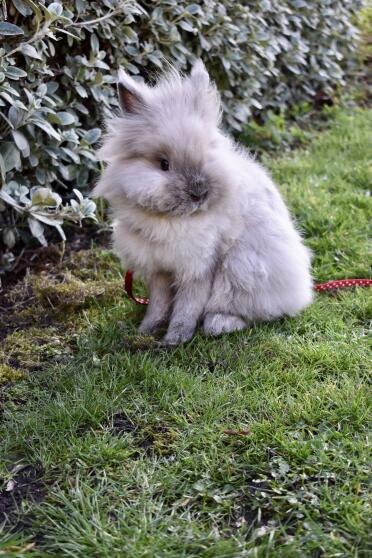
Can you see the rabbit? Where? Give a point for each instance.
(194, 215)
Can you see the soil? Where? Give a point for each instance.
(50, 259)
(26, 486)
(122, 425)
(45, 258)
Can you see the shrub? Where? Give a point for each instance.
(365, 26)
(58, 64)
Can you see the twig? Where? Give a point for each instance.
(237, 432)
(97, 20)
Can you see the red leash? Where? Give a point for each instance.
(342, 284)
(320, 287)
(128, 284)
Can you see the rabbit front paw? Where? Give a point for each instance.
(179, 333)
(149, 327)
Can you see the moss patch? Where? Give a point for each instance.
(66, 291)
(37, 325)
(94, 264)
(30, 348)
(9, 374)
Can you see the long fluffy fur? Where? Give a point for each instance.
(211, 236)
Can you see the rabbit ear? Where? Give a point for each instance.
(204, 95)
(130, 95)
(199, 74)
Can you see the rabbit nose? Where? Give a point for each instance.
(198, 191)
(200, 196)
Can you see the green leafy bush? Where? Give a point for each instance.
(365, 26)
(58, 62)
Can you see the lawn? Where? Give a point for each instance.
(253, 444)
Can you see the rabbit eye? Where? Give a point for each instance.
(164, 164)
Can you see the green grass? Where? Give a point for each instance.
(133, 440)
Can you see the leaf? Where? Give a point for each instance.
(13, 72)
(10, 155)
(93, 135)
(29, 50)
(62, 118)
(226, 64)
(186, 26)
(15, 194)
(6, 97)
(8, 199)
(45, 197)
(68, 171)
(60, 231)
(102, 65)
(155, 60)
(129, 33)
(7, 28)
(40, 175)
(21, 142)
(94, 43)
(194, 9)
(204, 43)
(55, 9)
(15, 116)
(256, 104)
(79, 195)
(200, 486)
(82, 92)
(37, 230)
(283, 466)
(82, 177)
(34, 161)
(42, 90)
(52, 87)
(88, 154)
(48, 129)
(89, 208)
(48, 219)
(9, 238)
(72, 155)
(22, 7)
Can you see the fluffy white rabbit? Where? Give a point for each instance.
(194, 215)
